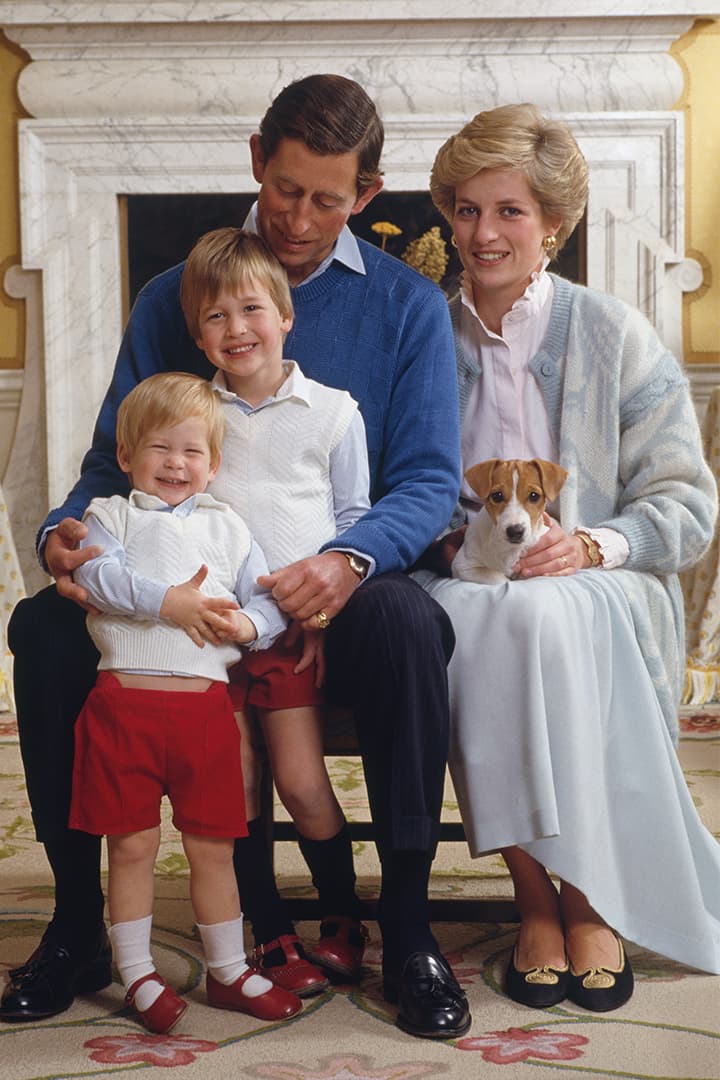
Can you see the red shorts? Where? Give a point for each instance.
(265, 678)
(134, 746)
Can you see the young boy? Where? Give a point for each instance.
(175, 565)
(295, 467)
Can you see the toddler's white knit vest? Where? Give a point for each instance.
(170, 548)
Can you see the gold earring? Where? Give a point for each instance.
(550, 245)
(453, 241)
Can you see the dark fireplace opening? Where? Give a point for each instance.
(161, 229)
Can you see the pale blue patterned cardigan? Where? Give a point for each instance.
(643, 474)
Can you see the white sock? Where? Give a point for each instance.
(226, 958)
(131, 950)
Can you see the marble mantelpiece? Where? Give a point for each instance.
(128, 59)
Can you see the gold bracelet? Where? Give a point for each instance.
(593, 549)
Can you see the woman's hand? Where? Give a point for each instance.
(556, 554)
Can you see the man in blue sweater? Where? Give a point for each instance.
(366, 323)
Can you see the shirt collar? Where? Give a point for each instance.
(531, 302)
(143, 501)
(296, 385)
(346, 250)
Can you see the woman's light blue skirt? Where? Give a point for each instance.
(558, 744)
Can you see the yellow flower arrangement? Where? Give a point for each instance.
(428, 254)
(385, 229)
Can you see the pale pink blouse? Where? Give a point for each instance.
(506, 415)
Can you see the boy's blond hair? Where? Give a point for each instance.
(223, 259)
(164, 400)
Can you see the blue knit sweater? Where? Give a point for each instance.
(384, 336)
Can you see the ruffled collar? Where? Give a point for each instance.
(527, 306)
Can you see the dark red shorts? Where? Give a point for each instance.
(265, 678)
(134, 746)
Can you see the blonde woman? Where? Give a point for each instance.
(565, 683)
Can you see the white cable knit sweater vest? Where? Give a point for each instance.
(275, 471)
(169, 549)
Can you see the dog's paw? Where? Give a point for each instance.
(480, 575)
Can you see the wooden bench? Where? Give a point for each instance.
(341, 741)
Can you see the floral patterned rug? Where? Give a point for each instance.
(670, 1029)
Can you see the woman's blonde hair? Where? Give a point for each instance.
(223, 259)
(164, 400)
(516, 137)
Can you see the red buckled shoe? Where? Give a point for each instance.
(274, 1004)
(164, 1012)
(341, 946)
(297, 974)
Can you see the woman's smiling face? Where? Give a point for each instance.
(499, 228)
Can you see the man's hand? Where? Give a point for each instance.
(62, 556)
(322, 582)
(194, 612)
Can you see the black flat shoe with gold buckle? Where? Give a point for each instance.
(603, 989)
(539, 987)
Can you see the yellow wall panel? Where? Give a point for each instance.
(698, 52)
(12, 60)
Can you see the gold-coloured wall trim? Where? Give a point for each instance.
(16, 362)
(12, 312)
(702, 159)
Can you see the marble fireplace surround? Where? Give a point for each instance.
(161, 96)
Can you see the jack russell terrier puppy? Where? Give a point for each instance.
(514, 495)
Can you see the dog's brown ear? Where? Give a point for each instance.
(479, 477)
(553, 477)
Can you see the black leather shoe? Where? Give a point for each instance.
(48, 982)
(539, 987)
(432, 1005)
(603, 989)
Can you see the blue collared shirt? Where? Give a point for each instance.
(345, 251)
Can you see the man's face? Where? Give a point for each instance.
(304, 201)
